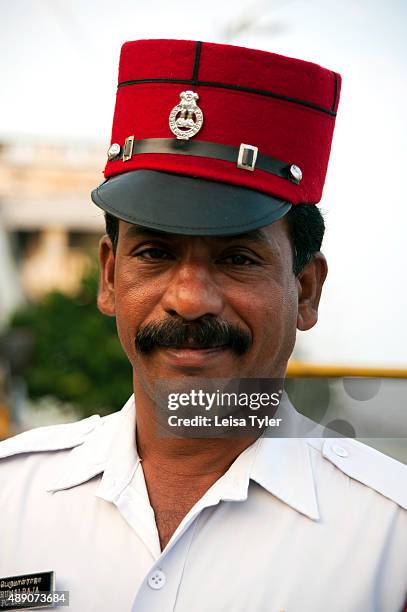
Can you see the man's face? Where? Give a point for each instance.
(245, 282)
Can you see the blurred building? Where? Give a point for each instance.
(46, 216)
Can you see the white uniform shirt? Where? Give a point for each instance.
(300, 525)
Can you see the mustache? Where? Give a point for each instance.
(205, 332)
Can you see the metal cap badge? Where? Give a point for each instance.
(186, 118)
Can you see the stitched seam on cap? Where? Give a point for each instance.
(198, 47)
(260, 92)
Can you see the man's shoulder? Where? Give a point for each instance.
(47, 459)
(50, 438)
(366, 465)
(64, 436)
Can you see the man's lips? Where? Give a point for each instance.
(191, 355)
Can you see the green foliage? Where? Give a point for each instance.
(76, 354)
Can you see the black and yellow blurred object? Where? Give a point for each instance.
(4, 421)
(298, 369)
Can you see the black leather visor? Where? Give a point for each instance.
(186, 205)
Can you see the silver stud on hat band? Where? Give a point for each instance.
(295, 173)
(113, 151)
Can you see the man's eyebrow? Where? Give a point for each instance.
(256, 235)
(138, 231)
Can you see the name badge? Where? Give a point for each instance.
(27, 591)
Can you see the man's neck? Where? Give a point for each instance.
(183, 457)
(179, 471)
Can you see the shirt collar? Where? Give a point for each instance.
(282, 466)
(110, 449)
(122, 458)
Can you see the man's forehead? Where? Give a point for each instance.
(261, 235)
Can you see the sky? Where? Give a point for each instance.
(58, 68)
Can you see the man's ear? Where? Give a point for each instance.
(106, 296)
(309, 284)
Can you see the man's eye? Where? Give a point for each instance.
(154, 254)
(238, 259)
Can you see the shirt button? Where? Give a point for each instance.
(340, 451)
(156, 579)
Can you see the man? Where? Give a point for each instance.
(210, 263)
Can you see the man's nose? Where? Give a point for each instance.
(192, 293)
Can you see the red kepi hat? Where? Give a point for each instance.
(213, 139)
